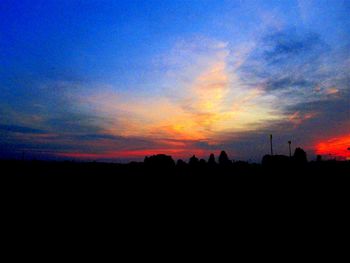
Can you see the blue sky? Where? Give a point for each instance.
(118, 80)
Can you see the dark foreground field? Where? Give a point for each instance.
(134, 199)
(136, 179)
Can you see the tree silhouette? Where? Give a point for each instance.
(300, 156)
(290, 149)
(193, 161)
(211, 160)
(160, 160)
(202, 162)
(181, 163)
(223, 158)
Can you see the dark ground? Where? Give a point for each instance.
(240, 202)
(239, 178)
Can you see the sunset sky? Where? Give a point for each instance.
(118, 80)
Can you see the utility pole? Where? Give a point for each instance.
(271, 144)
(290, 150)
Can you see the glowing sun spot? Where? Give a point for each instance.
(338, 147)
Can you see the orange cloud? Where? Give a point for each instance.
(200, 102)
(332, 91)
(337, 147)
(298, 118)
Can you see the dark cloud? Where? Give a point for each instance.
(287, 59)
(330, 113)
(71, 143)
(20, 129)
(290, 44)
(309, 78)
(109, 142)
(89, 137)
(288, 82)
(73, 123)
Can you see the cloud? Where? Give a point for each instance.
(285, 82)
(289, 44)
(296, 66)
(20, 129)
(208, 96)
(201, 99)
(304, 80)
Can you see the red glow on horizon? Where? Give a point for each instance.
(337, 147)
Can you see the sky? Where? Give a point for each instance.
(119, 80)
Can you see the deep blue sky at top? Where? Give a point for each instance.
(113, 40)
(89, 39)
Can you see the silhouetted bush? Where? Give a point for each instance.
(160, 161)
(319, 158)
(180, 163)
(193, 161)
(223, 159)
(299, 156)
(202, 162)
(211, 160)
